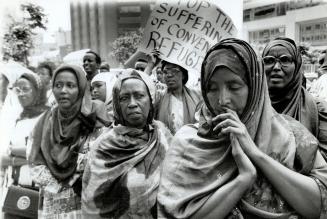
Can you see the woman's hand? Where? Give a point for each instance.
(229, 123)
(246, 169)
(153, 57)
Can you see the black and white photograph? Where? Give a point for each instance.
(168, 109)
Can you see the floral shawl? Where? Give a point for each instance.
(200, 161)
(122, 176)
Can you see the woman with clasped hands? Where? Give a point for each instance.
(242, 159)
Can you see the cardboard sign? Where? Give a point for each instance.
(184, 31)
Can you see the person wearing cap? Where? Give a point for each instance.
(176, 107)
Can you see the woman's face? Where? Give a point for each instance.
(65, 89)
(25, 91)
(173, 76)
(227, 89)
(98, 89)
(134, 102)
(279, 72)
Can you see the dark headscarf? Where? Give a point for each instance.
(38, 105)
(57, 135)
(235, 55)
(293, 99)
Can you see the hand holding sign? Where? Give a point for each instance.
(154, 56)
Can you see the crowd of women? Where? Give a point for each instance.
(251, 144)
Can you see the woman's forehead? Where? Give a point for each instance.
(66, 75)
(278, 50)
(132, 85)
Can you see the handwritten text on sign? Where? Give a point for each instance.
(185, 30)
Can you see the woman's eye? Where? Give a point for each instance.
(212, 88)
(139, 96)
(58, 85)
(235, 87)
(71, 85)
(123, 98)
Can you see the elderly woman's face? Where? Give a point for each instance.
(135, 104)
(227, 89)
(173, 76)
(25, 91)
(65, 89)
(279, 67)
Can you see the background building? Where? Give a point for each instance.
(96, 24)
(302, 20)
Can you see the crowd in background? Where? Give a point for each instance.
(249, 141)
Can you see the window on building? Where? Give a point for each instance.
(265, 11)
(247, 15)
(314, 32)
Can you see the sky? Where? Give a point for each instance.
(58, 12)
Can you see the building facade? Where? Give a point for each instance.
(96, 24)
(305, 21)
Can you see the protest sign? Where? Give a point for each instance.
(184, 31)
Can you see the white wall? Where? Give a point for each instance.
(290, 21)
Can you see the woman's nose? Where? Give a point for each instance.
(64, 89)
(224, 97)
(277, 65)
(132, 102)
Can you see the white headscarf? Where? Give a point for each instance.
(110, 80)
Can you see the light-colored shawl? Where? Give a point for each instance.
(190, 99)
(108, 190)
(199, 160)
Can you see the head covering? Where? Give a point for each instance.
(122, 176)
(228, 59)
(293, 99)
(110, 80)
(184, 71)
(38, 105)
(200, 160)
(291, 92)
(57, 135)
(129, 74)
